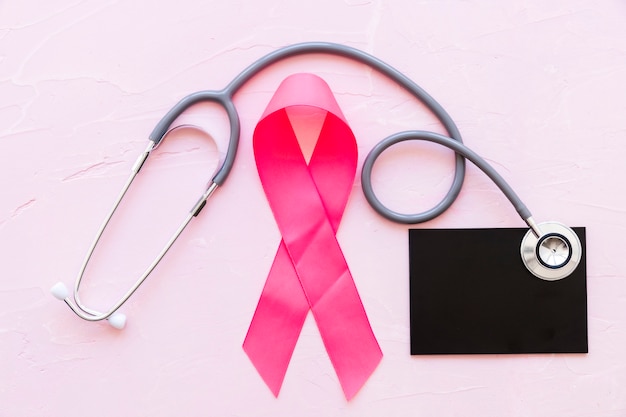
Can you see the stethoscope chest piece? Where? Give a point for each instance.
(554, 255)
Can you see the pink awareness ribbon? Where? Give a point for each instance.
(309, 270)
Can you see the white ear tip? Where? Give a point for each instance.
(59, 290)
(117, 320)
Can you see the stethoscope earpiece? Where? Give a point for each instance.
(554, 254)
(117, 320)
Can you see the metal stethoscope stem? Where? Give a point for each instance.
(118, 320)
(537, 244)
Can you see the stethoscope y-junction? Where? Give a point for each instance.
(550, 250)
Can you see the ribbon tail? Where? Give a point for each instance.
(277, 322)
(347, 334)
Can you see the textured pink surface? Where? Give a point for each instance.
(536, 87)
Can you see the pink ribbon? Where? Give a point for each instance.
(309, 270)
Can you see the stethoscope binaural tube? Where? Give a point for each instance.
(562, 236)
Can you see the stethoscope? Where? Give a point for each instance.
(550, 251)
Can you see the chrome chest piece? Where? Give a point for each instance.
(554, 254)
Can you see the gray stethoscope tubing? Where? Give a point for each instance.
(224, 97)
(456, 146)
(530, 244)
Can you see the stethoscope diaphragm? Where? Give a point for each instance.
(554, 255)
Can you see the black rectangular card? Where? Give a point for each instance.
(471, 293)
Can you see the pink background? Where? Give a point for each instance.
(536, 87)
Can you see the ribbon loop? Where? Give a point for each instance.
(309, 270)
